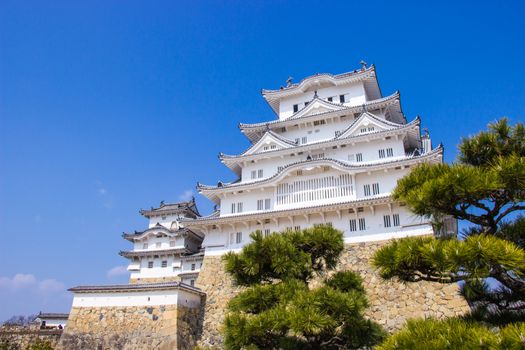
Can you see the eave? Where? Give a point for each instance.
(301, 211)
(273, 97)
(234, 161)
(254, 131)
(138, 287)
(213, 192)
(172, 233)
(172, 251)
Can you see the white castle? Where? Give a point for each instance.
(332, 156)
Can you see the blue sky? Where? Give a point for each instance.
(108, 107)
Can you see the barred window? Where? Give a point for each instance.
(359, 157)
(386, 220)
(238, 237)
(366, 190)
(150, 264)
(260, 204)
(164, 263)
(260, 173)
(267, 203)
(295, 108)
(362, 224)
(389, 152)
(381, 153)
(266, 232)
(375, 188)
(396, 219)
(353, 225)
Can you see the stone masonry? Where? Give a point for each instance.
(392, 302)
(138, 327)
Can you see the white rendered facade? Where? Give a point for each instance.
(333, 155)
(166, 250)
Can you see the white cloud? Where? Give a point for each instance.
(51, 286)
(106, 197)
(18, 281)
(117, 271)
(27, 281)
(186, 195)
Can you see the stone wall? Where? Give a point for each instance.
(391, 302)
(22, 337)
(138, 327)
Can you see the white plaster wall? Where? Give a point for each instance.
(355, 90)
(167, 221)
(152, 241)
(54, 322)
(369, 150)
(132, 298)
(217, 240)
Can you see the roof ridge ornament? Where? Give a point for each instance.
(267, 127)
(363, 65)
(289, 81)
(365, 109)
(315, 94)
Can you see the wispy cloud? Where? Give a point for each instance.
(186, 195)
(104, 195)
(22, 281)
(117, 271)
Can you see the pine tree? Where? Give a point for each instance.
(279, 310)
(486, 187)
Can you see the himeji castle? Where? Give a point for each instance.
(332, 156)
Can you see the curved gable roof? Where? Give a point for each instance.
(269, 136)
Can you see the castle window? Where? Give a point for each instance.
(359, 157)
(306, 103)
(366, 190)
(279, 168)
(238, 237)
(363, 130)
(254, 174)
(353, 225)
(260, 173)
(396, 219)
(371, 128)
(386, 220)
(260, 204)
(145, 246)
(239, 207)
(273, 146)
(297, 228)
(192, 267)
(295, 108)
(375, 188)
(192, 283)
(342, 98)
(319, 122)
(330, 99)
(233, 208)
(150, 264)
(164, 263)
(304, 140)
(267, 203)
(266, 232)
(337, 133)
(362, 224)
(389, 152)
(381, 153)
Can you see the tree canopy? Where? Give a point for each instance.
(279, 310)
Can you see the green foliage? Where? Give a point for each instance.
(40, 345)
(287, 255)
(279, 310)
(6, 344)
(485, 187)
(453, 333)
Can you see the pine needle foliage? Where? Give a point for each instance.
(486, 187)
(455, 333)
(279, 310)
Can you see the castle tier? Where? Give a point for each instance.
(166, 251)
(332, 156)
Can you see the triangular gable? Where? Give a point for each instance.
(271, 141)
(317, 106)
(367, 123)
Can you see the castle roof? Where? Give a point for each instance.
(150, 252)
(317, 81)
(159, 228)
(310, 114)
(138, 287)
(347, 135)
(188, 208)
(212, 192)
(302, 210)
(52, 315)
